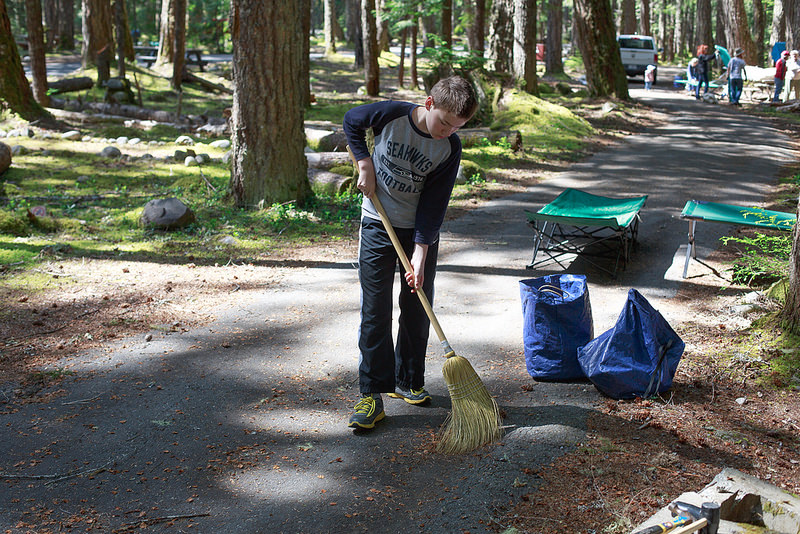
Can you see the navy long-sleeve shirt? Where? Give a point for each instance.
(415, 173)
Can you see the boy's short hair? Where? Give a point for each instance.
(455, 94)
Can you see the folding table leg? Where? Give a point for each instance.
(690, 249)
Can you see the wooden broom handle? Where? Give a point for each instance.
(404, 260)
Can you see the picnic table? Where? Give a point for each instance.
(149, 54)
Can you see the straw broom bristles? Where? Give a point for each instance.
(474, 418)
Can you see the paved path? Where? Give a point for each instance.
(242, 422)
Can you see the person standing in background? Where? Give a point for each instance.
(736, 77)
(793, 76)
(703, 69)
(780, 75)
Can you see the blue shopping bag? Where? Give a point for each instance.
(557, 320)
(638, 357)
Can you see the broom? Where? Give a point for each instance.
(474, 419)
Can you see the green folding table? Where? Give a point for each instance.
(700, 210)
(592, 226)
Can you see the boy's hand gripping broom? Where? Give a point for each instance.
(474, 419)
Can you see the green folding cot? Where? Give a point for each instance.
(591, 226)
(700, 210)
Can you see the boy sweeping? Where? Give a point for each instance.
(412, 171)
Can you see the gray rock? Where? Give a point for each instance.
(111, 152)
(134, 141)
(184, 140)
(166, 213)
(19, 150)
(122, 140)
(190, 161)
(221, 143)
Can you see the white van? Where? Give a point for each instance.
(637, 52)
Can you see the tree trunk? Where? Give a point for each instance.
(305, 69)
(179, 46)
(120, 27)
(477, 26)
(739, 29)
(329, 16)
(166, 36)
(778, 32)
(268, 164)
(524, 50)
(33, 11)
(792, 10)
(402, 67)
(14, 87)
(501, 36)
(413, 58)
(680, 28)
(720, 37)
(553, 63)
(352, 19)
(703, 35)
(447, 23)
(97, 30)
(759, 27)
(791, 309)
(66, 25)
(598, 44)
(50, 12)
(371, 51)
(5, 160)
(644, 20)
(382, 26)
(627, 23)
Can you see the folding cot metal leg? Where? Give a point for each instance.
(537, 241)
(690, 248)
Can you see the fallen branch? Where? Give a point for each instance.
(52, 479)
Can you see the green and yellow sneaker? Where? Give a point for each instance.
(411, 396)
(368, 411)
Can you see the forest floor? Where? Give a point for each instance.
(618, 477)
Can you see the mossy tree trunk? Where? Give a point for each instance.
(553, 64)
(501, 36)
(15, 91)
(268, 164)
(597, 40)
(179, 46)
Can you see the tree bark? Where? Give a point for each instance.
(97, 30)
(382, 26)
(553, 63)
(627, 23)
(738, 29)
(120, 28)
(778, 31)
(329, 18)
(66, 85)
(305, 42)
(33, 10)
(371, 51)
(179, 46)
(413, 58)
(401, 68)
(791, 308)
(268, 164)
(447, 23)
(644, 20)
(66, 25)
(501, 36)
(50, 13)
(166, 36)
(14, 86)
(703, 35)
(5, 159)
(524, 50)
(759, 27)
(680, 27)
(597, 41)
(477, 24)
(792, 10)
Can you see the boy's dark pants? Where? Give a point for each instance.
(381, 365)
